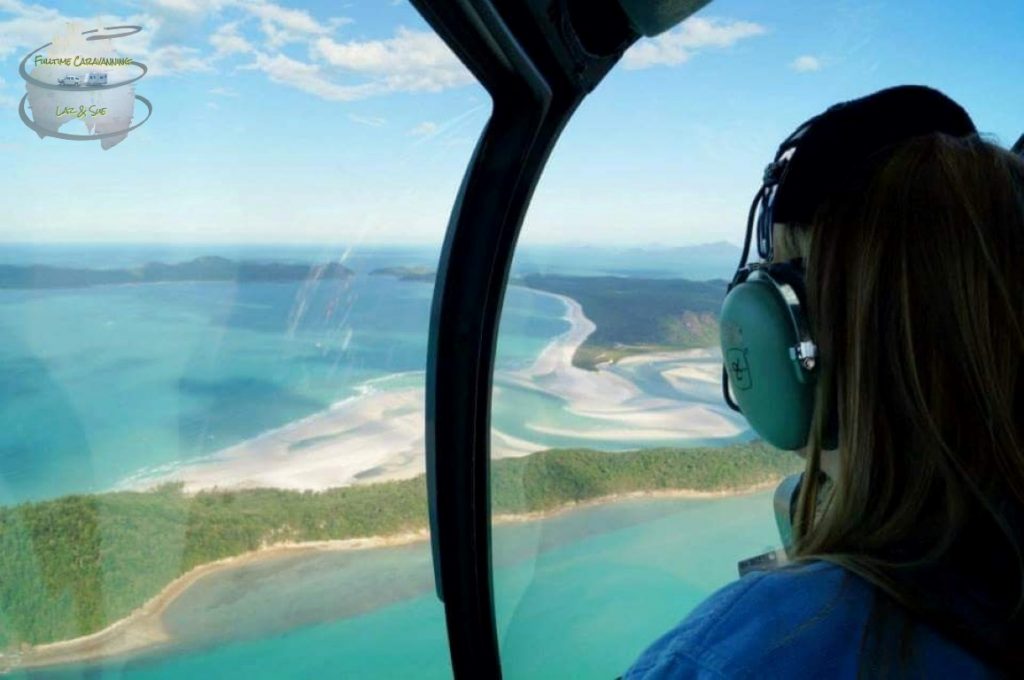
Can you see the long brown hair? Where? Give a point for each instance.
(915, 280)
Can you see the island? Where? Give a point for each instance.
(422, 274)
(75, 565)
(633, 315)
(210, 268)
(638, 315)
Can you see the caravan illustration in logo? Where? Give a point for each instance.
(80, 77)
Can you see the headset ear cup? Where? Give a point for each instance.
(792, 274)
(758, 332)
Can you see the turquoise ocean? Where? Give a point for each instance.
(579, 595)
(107, 384)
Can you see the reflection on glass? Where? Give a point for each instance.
(212, 344)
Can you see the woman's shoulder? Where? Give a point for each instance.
(801, 621)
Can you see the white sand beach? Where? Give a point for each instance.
(379, 435)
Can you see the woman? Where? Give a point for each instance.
(909, 534)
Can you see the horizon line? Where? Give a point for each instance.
(364, 244)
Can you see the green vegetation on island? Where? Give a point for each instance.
(637, 315)
(74, 565)
(200, 269)
(633, 315)
(422, 274)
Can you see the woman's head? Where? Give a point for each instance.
(915, 286)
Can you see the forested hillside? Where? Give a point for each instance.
(639, 315)
(73, 565)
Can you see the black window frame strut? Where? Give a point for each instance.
(463, 328)
(537, 69)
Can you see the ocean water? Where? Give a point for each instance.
(104, 383)
(107, 384)
(579, 595)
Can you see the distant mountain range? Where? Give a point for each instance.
(716, 249)
(199, 269)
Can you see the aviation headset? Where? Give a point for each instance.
(770, 357)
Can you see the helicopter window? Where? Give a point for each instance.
(213, 333)
(609, 426)
(217, 256)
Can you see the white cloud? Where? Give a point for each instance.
(425, 129)
(6, 100)
(190, 6)
(678, 45)
(309, 78)
(369, 121)
(806, 63)
(174, 59)
(227, 41)
(31, 26)
(409, 61)
(282, 25)
(294, 20)
(412, 61)
(223, 92)
(451, 132)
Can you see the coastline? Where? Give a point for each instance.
(610, 398)
(378, 436)
(381, 436)
(143, 629)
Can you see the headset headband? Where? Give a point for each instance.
(830, 152)
(774, 174)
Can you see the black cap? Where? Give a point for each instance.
(842, 145)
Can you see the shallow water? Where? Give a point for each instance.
(105, 383)
(108, 384)
(578, 595)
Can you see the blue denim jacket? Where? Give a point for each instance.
(805, 622)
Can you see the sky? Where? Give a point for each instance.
(351, 122)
